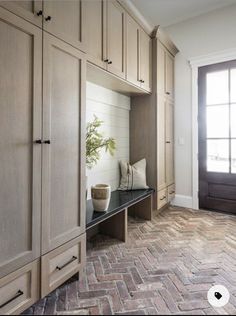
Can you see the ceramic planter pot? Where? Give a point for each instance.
(101, 195)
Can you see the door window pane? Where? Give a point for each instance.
(218, 87)
(233, 154)
(218, 121)
(218, 156)
(233, 120)
(233, 85)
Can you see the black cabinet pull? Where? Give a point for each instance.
(40, 13)
(167, 142)
(18, 294)
(38, 141)
(66, 264)
(163, 198)
(47, 142)
(143, 81)
(106, 60)
(168, 93)
(48, 18)
(109, 62)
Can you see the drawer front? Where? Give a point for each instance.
(62, 263)
(20, 289)
(162, 198)
(171, 192)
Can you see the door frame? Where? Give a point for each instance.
(196, 63)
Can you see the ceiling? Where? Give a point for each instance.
(169, 12)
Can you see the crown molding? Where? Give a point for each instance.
(162, 36)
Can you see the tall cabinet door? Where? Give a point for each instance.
(169, 77)
(63, 195)
(64, 19)
(30, 10)
(133, 51)
(93, 31)
(170, 177)
(145, 61)
(115, 38)
(20, 126)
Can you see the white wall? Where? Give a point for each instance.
(207, 34)
(112, 108)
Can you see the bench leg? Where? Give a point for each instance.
(143, 209)
(116, 226)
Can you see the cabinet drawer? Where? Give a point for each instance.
(162, 198)
(19, 290)
(62, 263)
(171, 192)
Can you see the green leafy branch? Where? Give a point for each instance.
(95, 142)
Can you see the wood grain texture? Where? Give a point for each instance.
(63, 160)
(93, 31)
(145, 62)
(20, 125)
(116, 38)
(116, 226)
(51, 276)
(66, 20)
(142, 209)
(26, 9)
(26, 280)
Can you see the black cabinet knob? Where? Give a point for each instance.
(47, 142)
(168, 93)
(48, 18)
(40, 13)
(106, 60)
(109, 62)
(38, 141)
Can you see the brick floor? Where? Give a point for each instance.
(166, 267)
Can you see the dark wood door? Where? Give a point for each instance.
(217, 137)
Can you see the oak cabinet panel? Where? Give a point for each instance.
(115, 28)
(169, 77)
(30, 10)
(93, 31)
(64, 19)
(145, 61)
(161, 142)
(20, 125)
(133, 51)
(63, 195)
(161, 73)
(169, 143)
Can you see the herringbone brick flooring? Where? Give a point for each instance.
(166, 267)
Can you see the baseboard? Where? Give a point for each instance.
(183, 200)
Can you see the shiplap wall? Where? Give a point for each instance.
(113, 109)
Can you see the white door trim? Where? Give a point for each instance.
(195, 63)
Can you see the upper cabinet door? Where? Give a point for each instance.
(63, 196)
(30, 10)
(145, 61)
(169, 83)
(64, 20)
(133, 51)
(93, 22)
(20, 127)
(115, 38)
(161, 72)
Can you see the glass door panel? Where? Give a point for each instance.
(217, 87)
(218, 121)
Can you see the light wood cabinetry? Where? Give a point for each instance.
(64, 19)
(30, 10)
(145, 61)
(133, 51)
(20, 289)
(63, 164)
(115, 29)
(93, 30)
(20, 157)
(62, 263)
(155, 139)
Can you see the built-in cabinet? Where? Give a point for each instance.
(154, 138)
(42, 192)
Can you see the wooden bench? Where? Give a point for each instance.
(114, 222)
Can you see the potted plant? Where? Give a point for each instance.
(95, 142)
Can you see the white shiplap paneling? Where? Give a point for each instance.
(113, 109)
